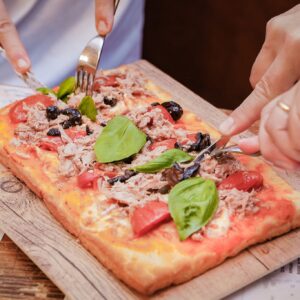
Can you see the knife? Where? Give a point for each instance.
(216, 146)
(29, 79)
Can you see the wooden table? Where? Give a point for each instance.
(20, 278)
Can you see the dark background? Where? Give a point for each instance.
(209, 45)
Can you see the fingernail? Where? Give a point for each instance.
(102, 27)
(22, 63)
(226, 127)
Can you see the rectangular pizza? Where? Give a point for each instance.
(120, 170)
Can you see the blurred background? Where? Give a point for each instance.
(209, 45)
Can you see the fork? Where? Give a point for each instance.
(233, 149)
(88, 63)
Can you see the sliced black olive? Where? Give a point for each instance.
(103, 124)
(75, 117)
(110, 101)
(155, 103)
(122, 178)
(67, 124)
(202, 142)
(174, 109)
(54, 132)
(72, 113)
(190, 171)
(52, 112)
(88, 130)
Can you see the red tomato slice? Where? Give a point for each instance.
(165, 113)
(17, 113)
(110, 80)
(51, 143)
(170, 144)
(87, 180)
(74, 134)
(243, 181)
(147, 217)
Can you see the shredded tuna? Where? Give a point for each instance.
(154, 124)
(36, 117)
(147, 155)
(217, 170)
(239, 202)
(137, 189)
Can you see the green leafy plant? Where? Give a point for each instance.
(118, 140)
(66, 88)
(87, 107)
(192, 204)
(45, 91)
(165, 160)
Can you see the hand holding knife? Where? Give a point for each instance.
(28, 77)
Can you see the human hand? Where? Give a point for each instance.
(10, 41)
(276, 69)
(278, 138)
(104, 16)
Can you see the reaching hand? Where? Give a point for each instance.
(10, 41)
(104, 13)
(279, 132)
(276, 69)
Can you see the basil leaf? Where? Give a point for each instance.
(192, 204)
(45, 91)
(165, 160)
(119, 139)
(88, 108)
(66, 88)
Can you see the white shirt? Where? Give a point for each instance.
(54, 33)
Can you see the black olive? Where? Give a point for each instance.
(88, 130)
(103, 124)
(122, 178)
(75, 117)
(54, 132)
(190, 171)
(72, 113)
(110, 101)
(67, 124)
(174, 109)
(128, 160)
(155, 103)
(202, 142)
(52, 112)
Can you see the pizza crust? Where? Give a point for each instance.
(157, 259)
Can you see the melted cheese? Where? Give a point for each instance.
(219, 226)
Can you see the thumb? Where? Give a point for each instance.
(278, 78)
(104, 16)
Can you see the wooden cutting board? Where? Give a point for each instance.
(26, 220)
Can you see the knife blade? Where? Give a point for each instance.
(218, 144)
(193, 169)
(29, 79)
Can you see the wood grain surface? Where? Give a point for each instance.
(24, 218)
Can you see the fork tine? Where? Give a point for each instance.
(79, 80)
(77, 75)
(84, 81)
(89, 90)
